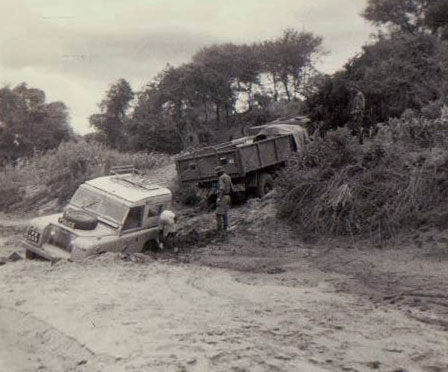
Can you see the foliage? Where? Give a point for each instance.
(398, 72)
(110, 121)
(289, 61)
(398, 180)
(413, 16)
(58, 173)
(405, 15)
(217, 90)
(28, 124)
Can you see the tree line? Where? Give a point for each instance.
(29, 124)
(224, 86)
(220, 85)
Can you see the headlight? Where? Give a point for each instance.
(71, 244)
(33, 234)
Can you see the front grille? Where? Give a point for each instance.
(60, 238)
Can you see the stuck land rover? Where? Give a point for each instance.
(115, 213)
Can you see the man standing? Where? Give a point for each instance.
(225, 187)
(357, 111)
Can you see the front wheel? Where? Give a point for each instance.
(151, 246)
(29, 255)
(265, 185)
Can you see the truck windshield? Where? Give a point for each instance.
(99, 204)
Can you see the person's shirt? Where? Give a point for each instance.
(358, 103)
(225, 184)
(167, 222)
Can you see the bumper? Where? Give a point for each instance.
(49, 253)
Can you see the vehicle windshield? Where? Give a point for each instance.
(99, 204)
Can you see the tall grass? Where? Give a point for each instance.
(58, 173)
(397, 180)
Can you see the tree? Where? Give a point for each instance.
(414, 16)
(405, 15)
(221, 84)
(110, 121)
(29, 124)
(436, 18)
(289, 61)
(398, 72)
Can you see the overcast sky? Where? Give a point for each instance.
(74, 49)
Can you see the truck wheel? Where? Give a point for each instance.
(29, 255)
(151, 246)
(210, 202)
(265, 185)
(80, 219)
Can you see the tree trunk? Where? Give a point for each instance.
(205, 112)
(250, 97)
(296, 84)
(274, 83)
(285, 82)
(218, 117)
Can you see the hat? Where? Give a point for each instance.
(219, 169)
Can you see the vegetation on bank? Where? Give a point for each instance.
(397, 180)
(58, 173)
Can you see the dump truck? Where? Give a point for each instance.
(251, 161)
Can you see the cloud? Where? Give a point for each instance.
(75, 49)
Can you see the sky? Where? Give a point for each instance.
(75, 49)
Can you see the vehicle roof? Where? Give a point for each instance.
(130, 187)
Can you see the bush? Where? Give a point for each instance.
(58, 173)
(397, 180)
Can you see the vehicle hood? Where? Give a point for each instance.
(101, 229)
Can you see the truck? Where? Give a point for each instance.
(251, 161)
(115, 213)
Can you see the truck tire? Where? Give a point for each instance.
(265, 184)
(80, 219)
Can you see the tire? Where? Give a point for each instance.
(81, 219)
(265, 184)
(210, 203)
(29, 255)
(151, 246)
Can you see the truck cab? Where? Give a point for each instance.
(116, 213)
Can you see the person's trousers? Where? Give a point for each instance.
(222, 221)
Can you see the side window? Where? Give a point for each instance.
(134, 219)
(155, 210)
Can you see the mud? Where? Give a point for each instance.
(257, 299)
(237, 306)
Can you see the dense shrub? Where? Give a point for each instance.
(58, 173)
(398, 179)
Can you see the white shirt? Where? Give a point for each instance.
(167, 223)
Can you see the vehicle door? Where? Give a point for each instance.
(132, 238)
(153, 211)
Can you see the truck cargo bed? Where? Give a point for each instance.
(238, 158)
